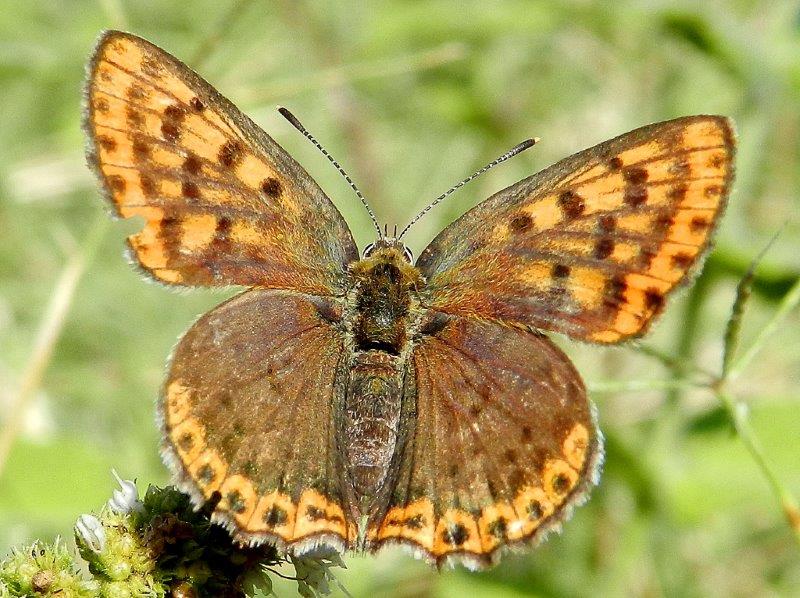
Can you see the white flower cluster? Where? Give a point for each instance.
(126, 499)
(122, 501)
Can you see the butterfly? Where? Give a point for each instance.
(353, 401)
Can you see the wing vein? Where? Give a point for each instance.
(151, 83)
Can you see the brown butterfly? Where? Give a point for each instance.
(354, 403)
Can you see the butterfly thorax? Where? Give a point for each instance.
(384, 286)
(381, 315)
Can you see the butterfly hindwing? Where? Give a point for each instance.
(223, 203)
(590, 246)
(503, 444)
(243, 415)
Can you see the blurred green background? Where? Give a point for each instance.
(412, 96)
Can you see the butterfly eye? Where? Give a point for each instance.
(407, 254)
(369, 249)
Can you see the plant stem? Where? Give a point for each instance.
(787, 304)
(222, 26)
(743, 292)
(115, 13)
(336, 76)
(738, 414)
(49, 331)
(609, 386)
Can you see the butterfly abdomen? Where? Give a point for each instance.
(371, 421)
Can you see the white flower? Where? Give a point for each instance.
(91, 532)
(126, 499)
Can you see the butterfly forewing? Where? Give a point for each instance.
(503, 444)
(223, 203)
(244, 415)
(591, 246)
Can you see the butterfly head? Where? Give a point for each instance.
(387, 257)
(388, 243)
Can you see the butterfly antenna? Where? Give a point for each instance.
(299, 126)
(517, 149)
